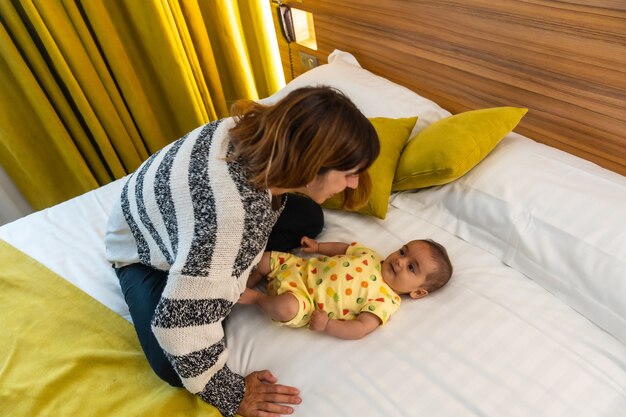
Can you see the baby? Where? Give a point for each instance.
(351, 290)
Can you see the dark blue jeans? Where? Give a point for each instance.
(142, 285)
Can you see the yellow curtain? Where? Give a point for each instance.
(89, 89)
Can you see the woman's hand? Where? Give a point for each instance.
(264, 398)
(319, 321)
(309, 245)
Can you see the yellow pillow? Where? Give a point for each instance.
(392, 134)
(450, 147)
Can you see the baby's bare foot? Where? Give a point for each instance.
(250, 296)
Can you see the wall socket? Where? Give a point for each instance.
(307, 61)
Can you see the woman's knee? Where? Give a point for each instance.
(164, 370)
(142, 287)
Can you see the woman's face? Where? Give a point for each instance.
(330, 183)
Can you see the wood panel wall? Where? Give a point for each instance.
(564, 60)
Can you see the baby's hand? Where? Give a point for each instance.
(319, 321)
(309, 245)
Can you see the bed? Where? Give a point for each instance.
(533, 321)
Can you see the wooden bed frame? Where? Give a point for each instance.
(564, 60)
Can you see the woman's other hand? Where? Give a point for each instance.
(264, 398)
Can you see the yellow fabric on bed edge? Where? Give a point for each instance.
(62, 353)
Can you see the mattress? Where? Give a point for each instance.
(490, 343)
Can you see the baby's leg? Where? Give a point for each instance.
(283, 307)
(260, 272)
(249, 296)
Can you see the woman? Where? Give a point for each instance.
(194, 219)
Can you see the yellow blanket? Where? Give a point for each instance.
(62, 353)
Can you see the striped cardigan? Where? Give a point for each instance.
(188, 211)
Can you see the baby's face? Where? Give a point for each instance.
(406, 269)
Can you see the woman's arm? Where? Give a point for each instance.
(358, 328)
(189, 329)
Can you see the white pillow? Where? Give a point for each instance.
(375, 96)
(557, 218)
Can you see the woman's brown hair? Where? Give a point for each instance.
(309, 132)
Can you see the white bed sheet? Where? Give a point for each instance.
(490, 343)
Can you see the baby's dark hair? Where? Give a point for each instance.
(441, 276)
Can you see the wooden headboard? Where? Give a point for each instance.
(564, 60)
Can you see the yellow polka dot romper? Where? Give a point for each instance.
(342, 285)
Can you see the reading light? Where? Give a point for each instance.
(303, 28)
